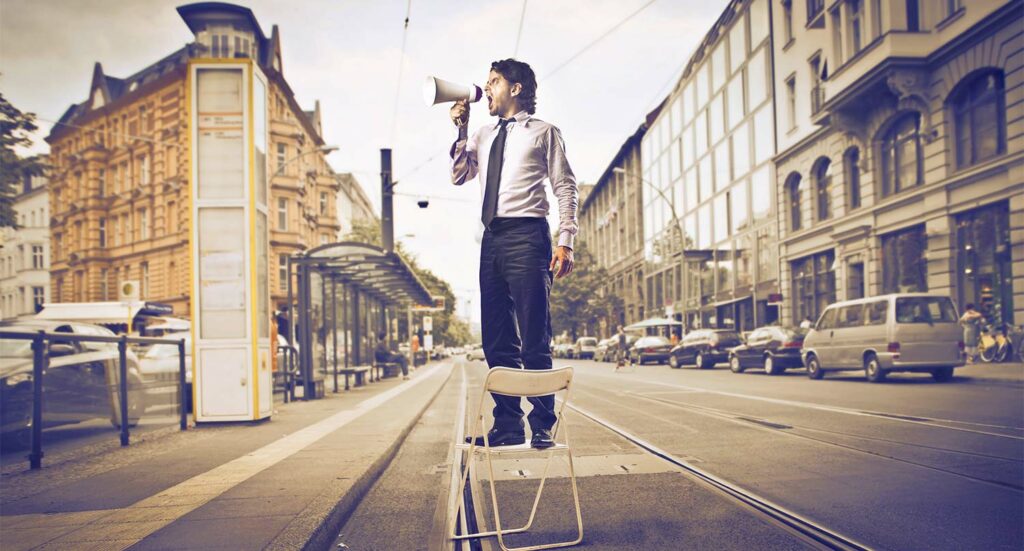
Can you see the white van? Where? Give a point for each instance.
(898, 332)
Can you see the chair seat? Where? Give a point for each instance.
(518, 448)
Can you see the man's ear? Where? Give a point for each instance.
(515, 89)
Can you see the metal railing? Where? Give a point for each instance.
(40, 363)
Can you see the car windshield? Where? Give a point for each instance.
(728, 336)
(652, 341)
(925, 310)
(588, 342)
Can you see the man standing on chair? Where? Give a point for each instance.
(514, 157)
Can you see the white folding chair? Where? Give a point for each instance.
(524, 383)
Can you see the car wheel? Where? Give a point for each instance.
(734, 364)
(673, 361)
(873, 370)
(814, 370)
(770, 368)
(640, 359)
(698, 361)
(943, 374)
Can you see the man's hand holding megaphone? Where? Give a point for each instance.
(460, 113)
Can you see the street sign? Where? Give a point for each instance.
(437, 306)
(428, 323)
(428, 342)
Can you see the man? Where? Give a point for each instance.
(513, 157)
(622, 349)
(382, 354)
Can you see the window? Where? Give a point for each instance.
(103, 233)
(855, 280)
(721, 216)
(901, 155)
(38, 298)
(126, 229)
(985, 275)
(323, 203)
(57, 248)
(739, 208)
(856, 25)
(757, 89)
(814, 285)
(282, 272)
(791, 102)
(837, 35)
(851, 316)
(115, 231)
(952, 6)
(904, 268)
(852, 169)
(823, 187)
(717, 115)
(718, 68)
(707, 179)
(738, 44)
(759, 22)
(144, 284)
(281, 152)
(143, 224)
(104, 284)
(735, 100)
(793, 200)
(764, 135)
(722, 168)
(925, 310)
(37, 258)
(787, 19)
(761, 193)
(282, 214)
(913, 16)
(979, 118)
(875, 312)
(814, 8)
(740, 151)
(144, 170)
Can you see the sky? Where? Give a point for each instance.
(348, 55)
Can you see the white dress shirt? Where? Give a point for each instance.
(534, 151)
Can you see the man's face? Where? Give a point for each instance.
(501, 94)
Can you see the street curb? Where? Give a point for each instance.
(323, 535)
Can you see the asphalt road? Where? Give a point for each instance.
(907, 464)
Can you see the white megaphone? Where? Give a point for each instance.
(437, 91)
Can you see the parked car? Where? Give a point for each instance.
(773, 348)
(653, 348)
(562, 350)
(80, 383)
(475, 352)
(605, 349)
(897, 332)
(584, 347)
(159, 367)
(704, 348)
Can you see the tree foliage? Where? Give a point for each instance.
(448, 328)
(15, 130)
(577, 303)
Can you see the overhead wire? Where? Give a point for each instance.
(401, 67)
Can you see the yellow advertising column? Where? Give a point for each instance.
(228, 240)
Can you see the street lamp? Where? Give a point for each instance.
(325, 149)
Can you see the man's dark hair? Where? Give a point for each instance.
(517, 71)
(382, 335)
(970, 306)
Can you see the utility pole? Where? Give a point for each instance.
(387, 217)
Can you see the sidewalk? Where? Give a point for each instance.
(286, 483)
(1009, 372)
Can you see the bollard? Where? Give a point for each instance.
(39, 358)
(183, 401)
(122, 352)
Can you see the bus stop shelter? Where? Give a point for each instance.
(346, 293)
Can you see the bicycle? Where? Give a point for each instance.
(1016, 337)
(993, 345)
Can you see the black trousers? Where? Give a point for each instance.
(515, 281)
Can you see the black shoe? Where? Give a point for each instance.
(497, 437)
(542, 439)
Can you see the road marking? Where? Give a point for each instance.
(121, 528)
(927, 421)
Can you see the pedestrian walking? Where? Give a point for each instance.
(971, 322)
(622, 349)
(514, 157)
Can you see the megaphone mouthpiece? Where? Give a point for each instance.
(436, 90)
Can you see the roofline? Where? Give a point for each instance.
(188, 10)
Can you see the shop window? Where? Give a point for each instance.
(904, 268)
(823, 188)
(979, 118)
(852, 173)
(814, 285)
(984, 269)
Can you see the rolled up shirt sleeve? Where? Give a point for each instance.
(463, 155)
(563, 184)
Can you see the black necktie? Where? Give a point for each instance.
(494, 163)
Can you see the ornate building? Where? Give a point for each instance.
(119, 184)
(901, 152)
(24, 255)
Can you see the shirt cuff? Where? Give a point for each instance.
(565, 239)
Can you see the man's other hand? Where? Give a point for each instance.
(562, 261)
(460, 112)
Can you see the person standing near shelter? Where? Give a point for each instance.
(514, 157)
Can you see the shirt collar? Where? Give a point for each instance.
(520, 117)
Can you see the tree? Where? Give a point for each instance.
(576, 301)
(15, 129)
(446, 325)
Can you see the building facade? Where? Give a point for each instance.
(901, 152)
(611, 226)
(24, 253)
(710, 229)
(119, 184)
(353, 205)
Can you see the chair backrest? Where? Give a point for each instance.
(527, 382)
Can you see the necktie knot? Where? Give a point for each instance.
(505, 122)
